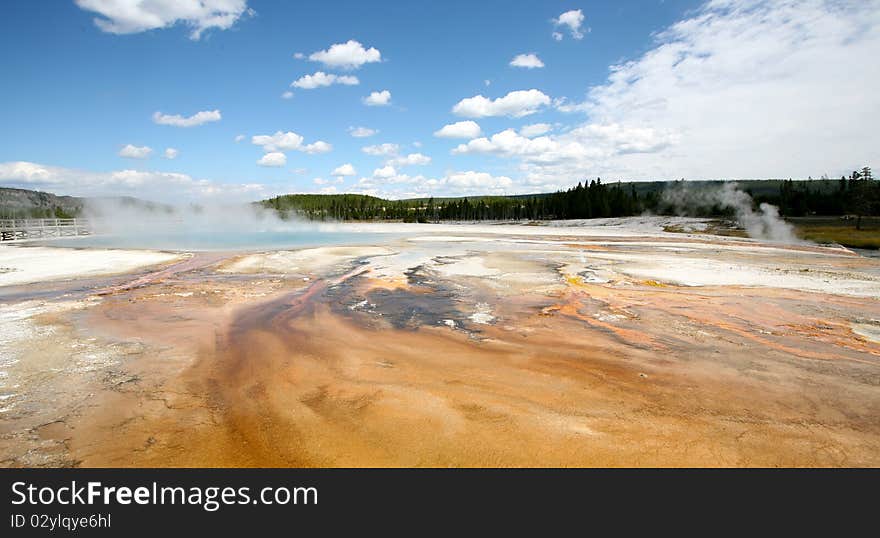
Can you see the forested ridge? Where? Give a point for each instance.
(857, 194)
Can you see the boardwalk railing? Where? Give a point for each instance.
(19, 229)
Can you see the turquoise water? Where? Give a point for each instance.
(204, 240)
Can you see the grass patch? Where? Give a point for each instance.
(842, 232)
(848, 237)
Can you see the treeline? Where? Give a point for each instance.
(858, 194)
(55, 212)
(595, 199)
(28, 204)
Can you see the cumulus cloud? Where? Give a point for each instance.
(133, 16)
(515, 104)
(287, 95)
(361, 132)
(381, 150)
(273, 159)
(239, 138)
(346, 169)
(388, 183)
(573, 21)
(579, 149)
(535, 129)
(461, 129)
(169, 186)
(317, 147)
(330, 189)
(171, 153)
(381, 98)
(474, 181)
(130, 151)
(348, 55)
(199, 118)
(280, 141)
(321, 79)
(385, 172)
(745, 89)
(410, 160)
(289, 141)
(529, 61)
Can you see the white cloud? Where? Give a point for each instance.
(299, 55)
(239, 138)
(321, 79)
(535, 129)
(135, 152)
(562, 104)
(475, 181)
(326, 189)
(515, 104)
(289, 141)
(529, 61)
(171, 153)
(317, 147)
(487, 82)
(381, 150)
(410, 160)
(348, 55)
(280, 141)
(322, 181)
(344, 170)
(461, 129)
(170, 186)
(387, 183)
(745, 89)
(199, 118)
(287, 95)
(361, 132)
(385, 172)
(273, 159)
(133, 16)
(381, 98)
(580, 147)
(573, 19)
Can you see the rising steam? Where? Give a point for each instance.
(135, 223)
(763, 223)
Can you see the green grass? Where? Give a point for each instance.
(837, 230)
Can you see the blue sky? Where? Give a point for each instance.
(627, 90)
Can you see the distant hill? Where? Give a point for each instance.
(28, 204)
(23, 203)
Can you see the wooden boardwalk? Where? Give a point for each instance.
(26, 229)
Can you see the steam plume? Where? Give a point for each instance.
(763, 223)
